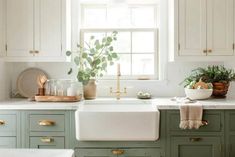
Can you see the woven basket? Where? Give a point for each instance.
(220, 89)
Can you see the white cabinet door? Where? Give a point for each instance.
(20, 27)
(2, 28)
(48, 27)
(192, 27)
(220, 27)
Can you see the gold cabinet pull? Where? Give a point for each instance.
(47, 140)
(210, 50)
(205, 123)
(36, 51)
(205, 51)
(46, 123)
(31, 52)
(118, 152)
(195, 139)
(2, 122)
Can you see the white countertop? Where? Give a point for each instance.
(37, 152)
(161, 103)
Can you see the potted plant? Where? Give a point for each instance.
(92, 60)
(219, 76)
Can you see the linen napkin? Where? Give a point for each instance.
(191, 115)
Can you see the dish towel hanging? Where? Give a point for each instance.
(191, 115)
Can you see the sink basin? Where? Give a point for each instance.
(117, 122)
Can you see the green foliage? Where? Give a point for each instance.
(210, 74)
(93, 60)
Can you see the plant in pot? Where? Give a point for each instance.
(92, 61)
(218, 75)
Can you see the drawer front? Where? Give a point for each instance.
(132, 152)
(47, 142)
(7, 142)
(213, 119)
(7, 123)
(40, 123)
(231, 119)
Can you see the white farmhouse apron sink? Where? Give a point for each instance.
(117, 122)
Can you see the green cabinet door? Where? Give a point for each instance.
(132, 152)
(231, 141)
(195, 147)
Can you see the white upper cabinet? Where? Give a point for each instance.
(20, 27)
(48, 27)
(220, 27)
(36, 30)
(192, 27)
(204, 28)
(2, 28)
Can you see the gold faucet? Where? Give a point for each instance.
(118, 92)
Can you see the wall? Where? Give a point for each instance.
(175, 73)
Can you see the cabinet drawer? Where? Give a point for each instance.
(132, 152)
(53, 123)
(47, 142)
(213, 118)
(7, 123)
(231, 119)
(7, 142)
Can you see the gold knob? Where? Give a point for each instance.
(46, 123)
(117, 152)
(31, 52)
(36, 52)
(195, 139)
(205, 122)
(47, 140)
(204, 51)
(210, 50)
(2, 122)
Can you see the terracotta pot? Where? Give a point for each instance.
(89, 90)
(220, 89)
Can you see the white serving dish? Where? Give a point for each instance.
(117, 122)
(198, 93)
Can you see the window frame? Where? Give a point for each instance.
(155, 30)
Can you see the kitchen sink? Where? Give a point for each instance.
(117, 121)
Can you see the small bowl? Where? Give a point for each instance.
(198, 93)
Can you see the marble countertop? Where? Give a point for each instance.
(162, 103)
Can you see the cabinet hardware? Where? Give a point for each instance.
(47, 140)
(195, 139)
(233, 46)
(6, 47)
(210, 50)
(31, 52)
(2, 122)
(205, 122)
(204, 51)
(118, 152)
(46, 123)
(178, 46)
(36, 52)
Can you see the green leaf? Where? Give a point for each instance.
(89, 60)
(111, 48)
(110, 58)
(104, 40)
(97, 44)
(84, 55)
(114, 55)
(104, 66)
(77, 60)
(68, 53)
(70, 71)
(109, 39)
(92, 37)
(93, 74)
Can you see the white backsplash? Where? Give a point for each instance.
(176, 72)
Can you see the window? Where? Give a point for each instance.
(137, 39)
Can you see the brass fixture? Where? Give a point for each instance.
(204, 51)
(47, 140)
(210, 50)
(118, 92)
(117, 152)
(2, 122)
(46, 123)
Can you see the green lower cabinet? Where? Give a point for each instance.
(231, 144)
(132, 152)
(47, 142)
(195, 147)
(8, 142)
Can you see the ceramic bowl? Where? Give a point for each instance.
(198, 93)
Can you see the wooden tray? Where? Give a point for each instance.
(58, 98)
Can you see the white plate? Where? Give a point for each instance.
(27, 82)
